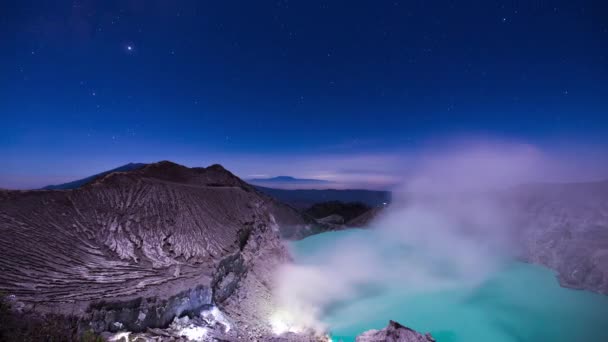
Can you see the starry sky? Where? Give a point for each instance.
(314, 89)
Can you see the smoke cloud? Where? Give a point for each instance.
(445, 229)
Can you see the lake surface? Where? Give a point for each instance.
(520, 302)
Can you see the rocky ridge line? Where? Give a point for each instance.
(135, 249)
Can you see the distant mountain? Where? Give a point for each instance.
(305, 198)
(80, 182)
(286, 179)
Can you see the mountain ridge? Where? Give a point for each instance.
(132, 247)
(80, 182)
(305, 198)
(288, 179)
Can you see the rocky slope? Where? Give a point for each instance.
(132, 250)
(565, 227)
(394, 332)
(80, 182)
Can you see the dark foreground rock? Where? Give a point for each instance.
(330, 216)
(133, 250)
(346, 210)
(303, 199)
(394, 332)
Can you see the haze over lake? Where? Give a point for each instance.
(517, 302)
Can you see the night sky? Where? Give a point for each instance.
(306, 88)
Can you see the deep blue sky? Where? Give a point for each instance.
(90, 85)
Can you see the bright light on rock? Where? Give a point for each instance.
(120, 336)
(214, 315)
(193, 333)
(282, 322)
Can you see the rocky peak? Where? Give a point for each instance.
(167, 171)
(135, 249)
(394, 332)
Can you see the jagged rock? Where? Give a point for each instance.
(394, 332)
(140, 247)
(212, 327)
(142, 313)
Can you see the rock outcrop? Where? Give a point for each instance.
(133, 250)
(565, 227)
(332, 215)
(346, 210)
(394, 332)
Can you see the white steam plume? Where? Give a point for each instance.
(444, 229)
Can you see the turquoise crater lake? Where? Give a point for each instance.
(520, 302)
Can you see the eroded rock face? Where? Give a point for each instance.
(242, 289)
(131, 250)
(142, 313)
(394, 332)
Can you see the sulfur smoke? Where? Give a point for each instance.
(445, 229)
